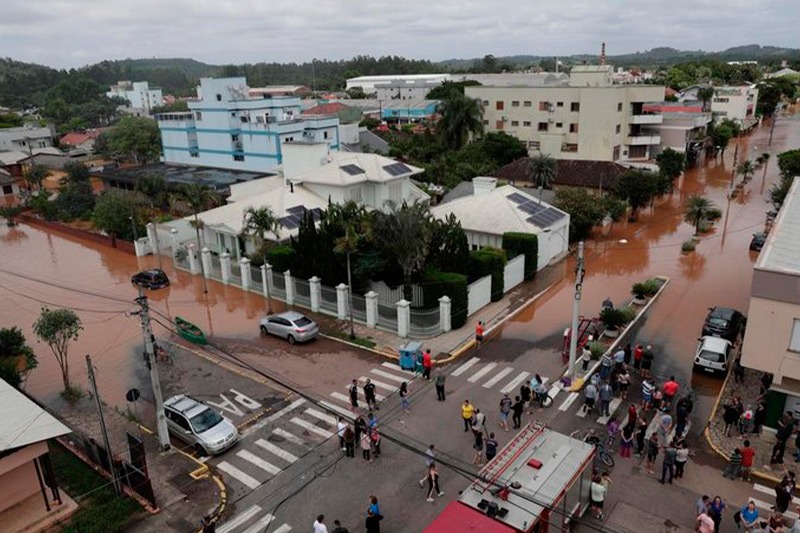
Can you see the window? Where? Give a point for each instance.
(7, 189)
(721, 100)
(198, 115)
(498, 125)
(619, 107)
(559, 104)
(515, 122)
(233, 113)
(234, 137)
(526, 123)
(219, 97)
(515, 103)
(288, 139)
(616, 153)
(325, 135)
(618, 129)
(573, 128)
(245, 119)
(794, 342)
(238, 158)
(526, 103)
(485, 122)
(544, 106)
(354, 194)
(559, 125)
(486, 103)
(543, 126)
(193, 153)
(500, 105)
(575, 106)
(474, 247)
(569, 147)
(534, 145)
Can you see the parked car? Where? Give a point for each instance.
(291, 326)
(758, 240)
(724, 322)
(154, 278)
(198, 425)
(713, 355)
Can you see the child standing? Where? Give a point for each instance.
(404, 396)
(733, 470)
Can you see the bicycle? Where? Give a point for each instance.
(602, 452)
(544, 400)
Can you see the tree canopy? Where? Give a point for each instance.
(16, 357)
(461, 117)
(113, 211)
(136, 139)
(57, 328)
(637, 187)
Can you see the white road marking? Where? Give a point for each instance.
(555, 389)
(388, 375)
(279, 452)
(289, 437)
(612, 408)
(497, 377)
(245, 479)
(768, 507)
(341, 397)
(361, 396)
(516, 382)
(258, 461)
(377, 383)
(260, 525)
(239, 519)
(771, 492)
(569, 401)
(322, 416)
(285, 528)
(397, 368)
(466, 366)
(308, 426)
(482, 372)
(273, 417)
(346, 413)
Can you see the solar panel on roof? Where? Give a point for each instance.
(353, 170)
(517, 198)
(531, 208)
(316, 213)
(296, 210)
(396, 169)
(289, 222)
(546, 218)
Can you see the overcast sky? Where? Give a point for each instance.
(73, 33)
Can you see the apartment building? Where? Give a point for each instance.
(684, 126)
(737, 104)
(585, 117)
(25, 138)
(772, 342)
(140, 96)
(226, 127)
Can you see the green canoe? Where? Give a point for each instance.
(189, 331)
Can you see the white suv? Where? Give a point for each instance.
(198, 425)
(713, 355)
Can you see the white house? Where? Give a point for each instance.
(25, 138)
(492, 211)
(139, 94)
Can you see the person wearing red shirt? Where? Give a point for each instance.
(638, 353)
(479, 333)
(427, 364)
(748, 455)
(670, 389)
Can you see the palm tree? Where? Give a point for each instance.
(199, 197)
(258, 222)
(461, 117)
(697, 211)
(762, 160)
(405, 234)
(746, 169)
(543, 170)
(348, 244)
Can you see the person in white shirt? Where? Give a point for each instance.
(319, 525)
(341, 426)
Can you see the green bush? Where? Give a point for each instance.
(628, 313)
(436, 284)
(688, 245)
(281, 258)
(523, 243)
(647, 287)
(597, 349)
(612, 317)
(489, 261)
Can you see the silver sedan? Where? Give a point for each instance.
(291, 326)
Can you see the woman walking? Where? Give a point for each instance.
(349, 442)
(597, 495)
(366, 445)
(478, 447)
(433, 482)
(652, 451)
(641, 431)
(715, 510)
(404, 396)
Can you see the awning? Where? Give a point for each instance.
(461, 518)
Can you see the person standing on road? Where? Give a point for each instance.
(517, 408)
(748, 456)
(619, 359)
(433, 483)
(374, 506)
(540, 392)
(704, 523)
(597, 496)
(681, 457)
(478, 447)
(430, 460)
(525, 395)
(427, 364)
(670, 389)
(733, 469)
(652, 452)
(375, 438)
(633, 415)
(369, 395)
(366, 446)
(668, 463)
(681, 419)
(337, 527)
(478, 422)
(638, 354)
(647, 361)
(586, 356)
(491, 447)
(479, 333)
(349, 442)
(341, 426)
(467, 410)
(440, 378)
(641, 431)
(589, 397)
(647, 393)
(319, 524)
(354, 395)
(505, 409)
(715, 510)
(360, 428)
(404, 396)
(624, 381)
(373, 523)
(605, 366)
(626, 442)
(749, 516)
(606, 394)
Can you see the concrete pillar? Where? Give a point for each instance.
(264, 280)
(194, 263)
(341, 301)
(371, 299)
(315, 286)
(176, 241)
(152, 236)
(225, 267)
(403, 318)
(444, 313)
(140, 247)
(205, 254)
(244, 268)
(289, 283)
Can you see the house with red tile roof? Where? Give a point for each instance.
(83, 140)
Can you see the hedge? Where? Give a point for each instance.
(436, 284)
(489, 261)
(281, 258)
(523, 243)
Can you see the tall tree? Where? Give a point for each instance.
(57, 327)
(259, 222)
(746, 169)
(348, 244)
(199, 198)
(116, 212)
(637, 187)
(137, 139)
(697, 210)
(705, 94)
(543, 171)
(461, 117)
(405, 233)
(35, 175)
(585, 212)
(670, 165)
(16, 357)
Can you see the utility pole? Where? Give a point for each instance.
(150, 361)
(93, 383)
(576, 309)
(772, 126)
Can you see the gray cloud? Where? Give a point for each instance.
(71, 33)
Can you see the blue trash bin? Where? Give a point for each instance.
(410, 353)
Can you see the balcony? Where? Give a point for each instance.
(638, 140)
(647, 118)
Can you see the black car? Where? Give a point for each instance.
(757, 243)
(151, 279)
(724, 322)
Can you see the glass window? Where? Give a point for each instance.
(500, 105)
(573, 128)
(515, 103)
(543, 126)
(526, 123)
(619, 107)
(559, 104)
(302, 321)
(575, 106)
(618, 128)
(498, 125)
(794, 344)
(515, 122)
(486, 103)
(526, 103)
(205, 420)
(559, 124)
(238, 158)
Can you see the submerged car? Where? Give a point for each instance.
(198, 425)
(291, 326)
(154, 278)
(724, 322)
(713, 355)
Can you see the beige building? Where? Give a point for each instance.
(585, 117)
(772, 342)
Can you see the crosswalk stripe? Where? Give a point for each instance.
(612, 407)
(341, 397)
(245, 479)
(239, 519)
(289, 437)
(273, 417)
(466, 366)
(569, 401)
(387, 375)
(555, 389)
(346, 413)
(279, 452)
(377, 383)
(261, 524)
(308, 426)
(497, 377)
(768, 507)
(771, 492)
(322, 416)
(516, 382)
(361, 396)
(482, 372)
(583, 412)
(285, 528)
(397, 368)
(258, 461)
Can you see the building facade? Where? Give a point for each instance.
(737, 104)
(586, 118)
(227, 128)
(139, 94)
(25, 138)
(405, 89)
(369, 83)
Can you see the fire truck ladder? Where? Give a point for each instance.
(492, 471)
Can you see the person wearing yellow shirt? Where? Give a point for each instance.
(467, 410)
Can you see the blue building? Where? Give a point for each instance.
(408, 111)
(228, 126)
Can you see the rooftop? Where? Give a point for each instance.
(347, 168)
(781, 252)
(13, 157)
(24, 422)
(217, 179)
(518, 79)
(24, 132)
(574, 173)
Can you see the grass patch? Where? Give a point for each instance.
(361, 341)
(100, 509)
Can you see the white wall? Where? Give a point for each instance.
(479, 294)
(514, 273)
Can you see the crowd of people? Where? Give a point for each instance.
(372, 521)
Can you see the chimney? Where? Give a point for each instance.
(483, 185)
(603, 54)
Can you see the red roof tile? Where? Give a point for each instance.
(74, 138)
(325, 109)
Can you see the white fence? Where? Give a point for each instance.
(514, 273)
(479, 294)
(390, 296)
